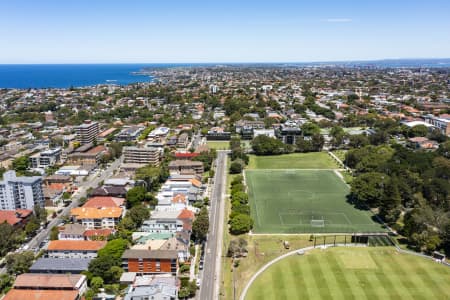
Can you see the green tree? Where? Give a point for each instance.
(391, 201)
(419, 130)
(115, 149)
(6, 282)
(367, 188)
(114, 249)
(358, 141)
(236, 167)
(114, 273)
(100, 266)
(96, 283)
(135, 196)
(264, 145)
(200, 225)
(54, 233)
(20, 164)
(317, 142)
(19, 263)
(150, 175)
(310, 129)
(138, 214)
(303, 145)
(240, 224)
(32, 226)
(241, 197)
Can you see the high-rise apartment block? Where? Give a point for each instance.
(87, 132)
(20, 192)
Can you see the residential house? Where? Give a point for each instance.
(183, 140)
(218, 134)
(71, 232)
(241, 124)
(55, 282)
(154, 292)
(45, 158)
(288, 133)
(111, 191)
(74, 249)
(186, 166)
(163, 222)
(442, 123)
(97, 217)
(143, 155)
(422, 143)
(60, 265)
(90, 157)
(150, 261)
(17, 218)
(129, 134)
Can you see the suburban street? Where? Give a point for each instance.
(92, 182)
(210, 286)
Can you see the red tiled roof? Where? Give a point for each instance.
(186, 155)
(100, 201)
(13, 217)
(61, 245)
(96, 213)
(41, 295)
(179, 198)
(56, 281)
(186, 214)
(57, 186)
(98, 232)
(96, 149)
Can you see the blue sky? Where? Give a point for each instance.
(152, 31)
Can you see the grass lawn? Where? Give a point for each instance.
(218, 145)
(353, 273)
(340, 154)
(303, 201)
(312, 160)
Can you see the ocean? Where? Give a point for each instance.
(66, 76)
(79, 75)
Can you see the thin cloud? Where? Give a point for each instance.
(338, 20)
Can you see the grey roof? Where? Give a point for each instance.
(158, 290)
(73, 229)
(176, 163)
(156, 254)
(84, 148)
(49, 265)
(128, 277)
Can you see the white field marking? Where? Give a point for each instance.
(284, 170)
(338, 174)
(255, 201)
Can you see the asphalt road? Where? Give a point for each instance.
(92, 182)
(210, 286)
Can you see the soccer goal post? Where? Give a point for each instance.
(317, 222)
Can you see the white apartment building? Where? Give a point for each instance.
(163, 222)
(45, 158)
(142, 155)
(87, 132)
(20, 192)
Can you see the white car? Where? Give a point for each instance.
(198, 282)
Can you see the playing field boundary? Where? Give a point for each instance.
(293, 252)
(295, 200)
(293, 170)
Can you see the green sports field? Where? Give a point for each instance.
(303, 201)
(353, 273)
(312, 160)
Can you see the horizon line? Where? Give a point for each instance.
(230, 62)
